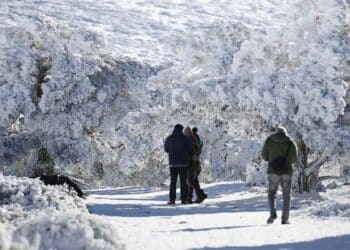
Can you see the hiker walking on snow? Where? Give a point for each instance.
(280, 151)
(179, 147)
(194, 169)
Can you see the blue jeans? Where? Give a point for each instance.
(286, 183)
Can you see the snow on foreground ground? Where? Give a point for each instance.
(234, 217)
(35, 216)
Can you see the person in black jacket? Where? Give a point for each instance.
(179, 147)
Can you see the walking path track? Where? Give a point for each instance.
(234, 217)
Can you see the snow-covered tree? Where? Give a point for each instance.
(104, 118)
(296, 80)
(245, 80)
(59, 90)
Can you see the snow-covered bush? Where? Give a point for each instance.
(296, 79)
(230, 157)
(36, 216)
(68, 231)
(235, 80)
(62, 96)
(22, 197)
(295, 76)
(256, 175)
(328, 208)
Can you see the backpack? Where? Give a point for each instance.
(199, 143)
(279, 165)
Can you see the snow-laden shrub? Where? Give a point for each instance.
(37, 216)
(231, 157)
(68, 231)
(235, 80)
(256, 175)
(22, 197)
(63, 96)
(340, 207)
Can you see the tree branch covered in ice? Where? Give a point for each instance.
(290, 74)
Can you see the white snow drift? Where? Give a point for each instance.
(36, 216)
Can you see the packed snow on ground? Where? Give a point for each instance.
(233, 217)
(36, 216)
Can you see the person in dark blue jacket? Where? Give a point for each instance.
(179, 147)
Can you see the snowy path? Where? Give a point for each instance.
(232, 218)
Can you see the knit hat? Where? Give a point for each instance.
(178, 127)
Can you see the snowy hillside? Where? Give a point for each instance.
(92, 88)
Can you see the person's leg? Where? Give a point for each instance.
(173, 180)
(273, 187)
(196, 183)
(183, 184)
(286, 183)
(199, 192)
(189, 183)
(197, 178)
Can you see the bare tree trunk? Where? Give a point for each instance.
(302, 165)
(308, 172)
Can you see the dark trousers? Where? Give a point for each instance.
(174, 173)
(193, 183)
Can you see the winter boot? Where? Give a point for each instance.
(171, 203)
(284, 222)
(201, 198)
(271, 218)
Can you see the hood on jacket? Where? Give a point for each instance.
(279, 137)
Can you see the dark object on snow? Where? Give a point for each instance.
(272, 218)
(280, 164)
(280, 151)
(194, 169)
(276, 146)
(174, 173)
(179, 147)
(61, 180)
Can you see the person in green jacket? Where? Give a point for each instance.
(281, 153)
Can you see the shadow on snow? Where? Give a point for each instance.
(338, 242)
(257, 203)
